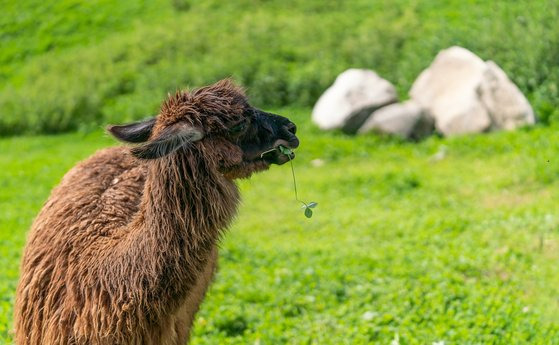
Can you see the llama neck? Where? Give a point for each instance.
(162, 253)
(186, 202)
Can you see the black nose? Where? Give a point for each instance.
(279, 127)
(291, 127)
(289, 131)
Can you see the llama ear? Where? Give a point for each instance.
(137, 132)
(168, 141)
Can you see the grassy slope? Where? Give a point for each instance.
(90, 64)
(463, 250)
(32, 28)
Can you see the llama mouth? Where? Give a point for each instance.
(277, 156)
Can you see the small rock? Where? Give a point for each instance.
(317, 163)
(369, 315)
(440, 155)
(309, 271)
(310, 299)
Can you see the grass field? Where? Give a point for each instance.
(403, 245)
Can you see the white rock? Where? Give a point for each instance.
(407, 120)
(317, 163)
(447, 89)
(353, 96)
(439, 155)
(369, 315)
(464, 94)
(507, 106)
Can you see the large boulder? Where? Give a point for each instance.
(464, 94)
(355, 94)
(407, 120)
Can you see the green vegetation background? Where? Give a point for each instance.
(402, 246)
(70, 64)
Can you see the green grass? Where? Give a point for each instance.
(74, 64)
(32, 28)
(462, 250)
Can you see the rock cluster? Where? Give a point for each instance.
(458, 93)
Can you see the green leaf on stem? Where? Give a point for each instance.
(308, 207)
(285, 150)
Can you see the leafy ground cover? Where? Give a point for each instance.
(452, 240)
(72, 64)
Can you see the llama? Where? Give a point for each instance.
(125, 247)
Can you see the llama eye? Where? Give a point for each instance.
(238, 128)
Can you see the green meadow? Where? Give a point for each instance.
(452, 241)
(446, 240)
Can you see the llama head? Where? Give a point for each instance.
(234, 137)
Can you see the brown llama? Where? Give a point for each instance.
(125, 248)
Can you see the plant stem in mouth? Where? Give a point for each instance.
(270, 150)
(294, 181)
(308, 207)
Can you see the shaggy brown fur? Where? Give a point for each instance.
(126, 246)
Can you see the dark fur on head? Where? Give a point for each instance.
(222, 113)
(126, 246)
